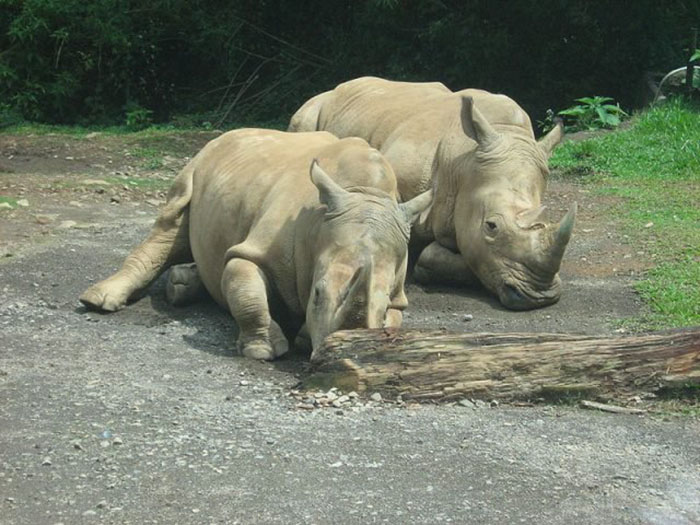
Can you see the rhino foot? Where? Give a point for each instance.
(109, 295)
(265, 349)
(302, 342)
(184, 285)
(260, 350)
(279, 342)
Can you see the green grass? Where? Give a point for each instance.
(10, 200)
(142, 183)
(153, 131)
(654, 166)
(29, 128)
(151, 157)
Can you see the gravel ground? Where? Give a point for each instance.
(146, 416)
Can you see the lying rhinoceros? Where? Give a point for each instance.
(246, 211)
(486, 221)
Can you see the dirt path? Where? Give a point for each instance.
(145, 416)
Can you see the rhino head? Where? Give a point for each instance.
(361, 260)
(497, 218)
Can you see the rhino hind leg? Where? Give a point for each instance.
(307, 117)
(245, 288)
(167, 244)
(439, 265)
(184, 285)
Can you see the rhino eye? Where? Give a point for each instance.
(491, 226)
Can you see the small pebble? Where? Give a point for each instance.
(46, 462)
(376, 397)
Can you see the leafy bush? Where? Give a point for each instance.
(82, 62)
(137, 117)
(593, 113)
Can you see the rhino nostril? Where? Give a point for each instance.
(513, 298)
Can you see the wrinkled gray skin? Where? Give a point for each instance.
(478, 150)
(331, 248)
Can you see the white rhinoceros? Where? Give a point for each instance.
(247, 213)
(489, 175)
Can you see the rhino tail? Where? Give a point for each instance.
(307, 117)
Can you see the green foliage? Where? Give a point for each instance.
(653, 168)
(138, 118)
(9, 200)
(78, 62)
(695, 56)
(672, 291)
(593, 113)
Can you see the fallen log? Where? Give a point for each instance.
(440, 366)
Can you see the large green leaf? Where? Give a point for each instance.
(594, 101)
(575, 111)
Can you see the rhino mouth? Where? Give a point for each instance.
(516, 297)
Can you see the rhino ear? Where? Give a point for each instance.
(551, 139)
(412, 209)
(476, 126)
(330, 193)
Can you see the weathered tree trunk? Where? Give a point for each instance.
(434, 365)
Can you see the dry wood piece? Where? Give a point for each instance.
(435, 365)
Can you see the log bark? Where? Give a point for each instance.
(440, 366)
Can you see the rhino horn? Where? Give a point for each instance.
(330, 193)
(354, 296)
(413, 208)
(476, 126)
(561, 236)
(531, 218)
(551, 139)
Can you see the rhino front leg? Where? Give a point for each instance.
(245, 288)
(302, 341)
(184, 285)
(439, 265)
(393, 318)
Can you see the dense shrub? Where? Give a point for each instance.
(92, 60)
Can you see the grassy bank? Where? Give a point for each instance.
(654, 167)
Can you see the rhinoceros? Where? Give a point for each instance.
(479, 151)
(307, 219)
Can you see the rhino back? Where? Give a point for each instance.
(249, 187)
(403, 120)
(407, 121)
(253, 198)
